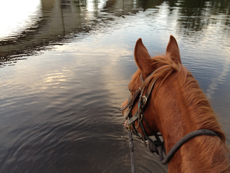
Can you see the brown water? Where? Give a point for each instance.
(64, 73)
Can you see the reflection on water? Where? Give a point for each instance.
(18, 20)
(64, 76)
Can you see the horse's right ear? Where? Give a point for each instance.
(141, 55)
(173, 50)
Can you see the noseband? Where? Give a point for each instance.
(156, 145)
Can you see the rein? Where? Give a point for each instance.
(157, 145)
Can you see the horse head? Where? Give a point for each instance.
(166, 98)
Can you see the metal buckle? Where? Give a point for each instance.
(144, 100)
(128, 127)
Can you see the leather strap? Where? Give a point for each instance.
(131, 148)
(182, 141)
(131, 100)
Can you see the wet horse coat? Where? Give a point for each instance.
(177, 106)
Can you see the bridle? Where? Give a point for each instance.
(153, 145)
(142, 95)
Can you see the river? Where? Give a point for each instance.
(64, 70)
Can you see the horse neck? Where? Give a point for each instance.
(176, 119)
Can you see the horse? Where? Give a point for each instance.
(175, 107)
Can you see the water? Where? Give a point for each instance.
(64, 73)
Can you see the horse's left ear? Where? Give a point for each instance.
(142, 57)
(173, 50)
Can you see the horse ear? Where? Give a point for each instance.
(173, 50)
(141, 55)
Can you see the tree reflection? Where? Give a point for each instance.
(67, 18)
(220, 7)
(198, 14)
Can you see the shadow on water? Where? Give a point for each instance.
(59, 109)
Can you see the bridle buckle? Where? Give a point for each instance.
(144, 100)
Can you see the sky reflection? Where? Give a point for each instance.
(16, 16)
